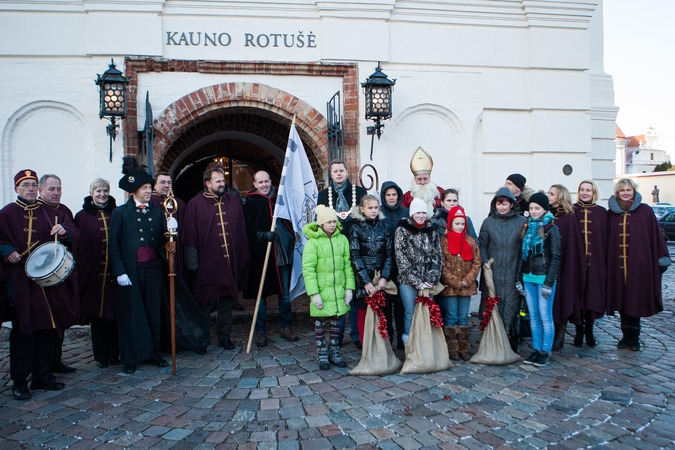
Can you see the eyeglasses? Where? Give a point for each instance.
(28, 185)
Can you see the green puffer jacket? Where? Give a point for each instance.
(327, 270)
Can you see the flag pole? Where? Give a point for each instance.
(262, 276)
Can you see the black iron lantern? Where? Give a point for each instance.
(377, 89)
(112, 89)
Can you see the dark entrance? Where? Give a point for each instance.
(245, 140)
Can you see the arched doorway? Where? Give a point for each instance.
(245, 138)
(248, 121)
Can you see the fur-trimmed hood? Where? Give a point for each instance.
(428, 227)
(357, 215)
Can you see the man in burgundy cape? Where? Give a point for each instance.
(49, 189)
(216, 250)
(39, 314)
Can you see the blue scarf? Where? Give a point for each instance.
(533, 243)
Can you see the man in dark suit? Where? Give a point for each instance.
(136, 249)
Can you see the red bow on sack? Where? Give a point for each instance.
(434, 311)
(377, 302)
(490, 304)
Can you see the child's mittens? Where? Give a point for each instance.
(348, 296)
(317, 302)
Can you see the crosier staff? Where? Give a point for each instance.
(170, 208)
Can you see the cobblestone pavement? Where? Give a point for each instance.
(276, 397)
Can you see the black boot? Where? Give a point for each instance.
(634, 339)
(626, 330)
(590, 339)
(579, 337)
(559, 339)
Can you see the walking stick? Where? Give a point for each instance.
(170, 208)
(260, 288)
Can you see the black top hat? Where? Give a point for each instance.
(135, 180)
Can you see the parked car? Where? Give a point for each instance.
(660, 209)
(667, 224)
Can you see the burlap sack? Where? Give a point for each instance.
(425, 350)
(377, 357)
(494, 349)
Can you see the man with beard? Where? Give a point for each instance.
(216, 250)
(49, 188)
(137, 231)
(38, 313)
(516, 184)
(342, 196)
(421, 186)
(258, 211)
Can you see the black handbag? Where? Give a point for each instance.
(520, 327)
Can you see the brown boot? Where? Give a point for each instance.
(260, 339)
(463, 342)
(451, 341)
(289, 334)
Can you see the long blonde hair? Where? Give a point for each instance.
(564, 198)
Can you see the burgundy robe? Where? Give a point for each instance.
(97, 285)
(592, 226)
(38, 308)
(223, 260)
(633, 276)
(179, 215)
(571, 273)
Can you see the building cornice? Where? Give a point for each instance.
(506, 13)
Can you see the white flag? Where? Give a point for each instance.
(296, 202)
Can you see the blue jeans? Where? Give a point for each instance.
(541, 316)
(408, 294)
(284, 302)
(353, 326)
(456, 311)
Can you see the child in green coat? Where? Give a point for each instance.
(329, 280)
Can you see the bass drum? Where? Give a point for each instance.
(49, 264)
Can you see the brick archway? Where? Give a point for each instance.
(205, 103)
(269, 101)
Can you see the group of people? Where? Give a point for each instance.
(573, 262)
(570, 262)
(360, 244)
(119, 280)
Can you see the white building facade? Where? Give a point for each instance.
(488, 88)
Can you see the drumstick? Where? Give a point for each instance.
(56, 236)
(29, 249)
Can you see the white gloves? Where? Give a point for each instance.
(172, 223)
(348, 296)
(520, 289)
(546, 292)
(317, 302)
(424, 285)
(123, 280)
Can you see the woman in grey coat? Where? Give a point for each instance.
(499, 238)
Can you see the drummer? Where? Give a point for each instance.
(37, 312)
(49, 194)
